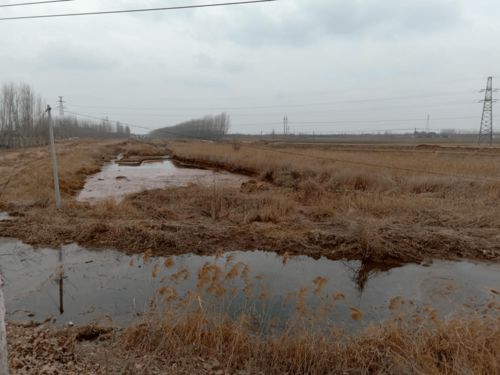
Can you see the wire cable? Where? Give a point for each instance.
(33, 3)
(141, 10)
(106, 119)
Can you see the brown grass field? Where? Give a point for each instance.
(382, 204)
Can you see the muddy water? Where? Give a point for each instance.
(95, 285)
(115, 181)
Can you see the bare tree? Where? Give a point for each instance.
(208, 127)
(22, 120)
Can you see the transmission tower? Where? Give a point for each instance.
(486, 130)
(60, 105)
(286, 128)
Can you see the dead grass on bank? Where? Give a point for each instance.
(194, 345)
(457, 346)
(26, 175)
(332, 188)
(364, 170)
(295, 204)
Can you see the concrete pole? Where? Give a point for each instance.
(57, 193)
(4, 360)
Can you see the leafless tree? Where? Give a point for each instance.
(23, 121)
(208, 127)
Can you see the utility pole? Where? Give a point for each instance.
(61, 106)
(428, 125)
(486, 129)
(57, 193)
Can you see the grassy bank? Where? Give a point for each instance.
(382, 207)
(195, 344)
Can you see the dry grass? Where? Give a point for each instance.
(447, 198)
(458, 346)
(346, 169)
(195, 345)
(294, 204)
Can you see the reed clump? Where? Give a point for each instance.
(455, 346)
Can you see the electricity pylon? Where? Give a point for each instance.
(486, 130)
(60, 104)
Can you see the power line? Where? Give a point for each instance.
(163, 130)
(163, 109)
(333, 122)
(141, 10)
(113, 121)
(354, 101)
(33, 3)
(376, 121)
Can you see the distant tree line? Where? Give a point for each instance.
(23, 121)
(68, 127)
(208, 127)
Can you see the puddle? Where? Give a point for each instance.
(96, 285)
(115, 181)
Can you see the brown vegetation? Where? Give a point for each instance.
(301, 201)
(381, 206)
(195, 344)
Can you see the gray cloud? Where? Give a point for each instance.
(74, 58)
(301, 22)
(287, 55)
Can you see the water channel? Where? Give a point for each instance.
(78, 285)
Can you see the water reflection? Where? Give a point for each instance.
(97, 284)
(61, 282)
(116, 180)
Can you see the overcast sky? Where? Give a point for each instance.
(329, 65)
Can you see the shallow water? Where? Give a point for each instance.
(115, 181)
(100, 284)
